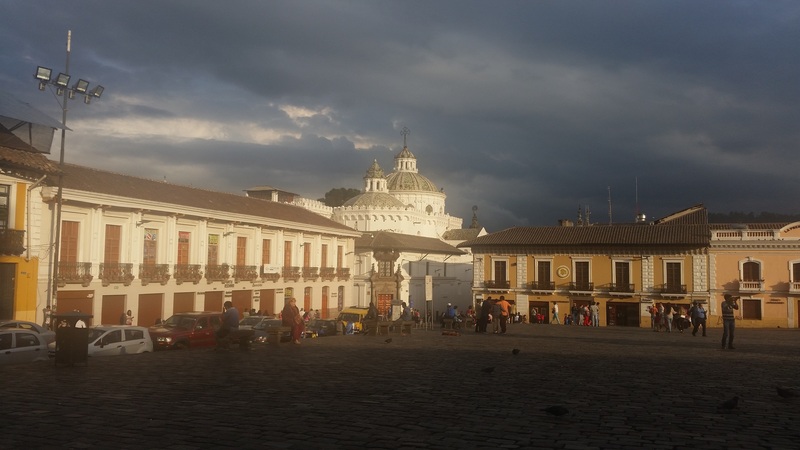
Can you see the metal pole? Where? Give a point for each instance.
(56, 255)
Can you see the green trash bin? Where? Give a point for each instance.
(72, 343)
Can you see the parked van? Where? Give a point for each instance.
(352, 315)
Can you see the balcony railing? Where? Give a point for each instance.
(327, 273)
(75, 273)
(187, 273)
(271, 276)
(627, 288)
(154, 273)
(310, 273)
(794, 287)
(672, 289)
(116, 273)
(245, 273)
(542, 285)
(343, 273)
(497, 284)
(291, 273)
(12, 242)
(751, 286)
(581, 286)
(217, 272)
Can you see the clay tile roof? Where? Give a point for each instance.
(80, 178)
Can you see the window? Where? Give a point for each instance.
(5, 341)
(132, 335)
(324, 262)
(672, 276)
(500, 273)
(213, 250)
(184, 239)
(150, 255)
(112, 337)
(307, 254)
(112, 244)
(543, 272)
(339, 256)
(69, 241)
(385, 268)
(287, 254)
(5, 195)
(265, 251)
(622, 274)
(241, 250)
(27, 340)
(796, 272)
(582, 278)
(751, 309)
(751, 271)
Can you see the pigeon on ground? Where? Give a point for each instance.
(556, 410)
(785, 392)
(388, 340)
(488, 369)
(515, 351)
(729, 404)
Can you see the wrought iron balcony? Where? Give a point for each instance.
(623, 288)
(343, 273)
(12, 242)
(674, 290)
(327, 273)
(542, 286)
(271, 276)
(310, 273)
(116, 273)
(74, 273)
(217, 272)
(154, 273)
(291, 273)
(582, 286)
(245, 273)
(497, 284)
(751, 286)
(187, 273)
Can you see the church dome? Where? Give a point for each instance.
(374, 200)
(409, 181)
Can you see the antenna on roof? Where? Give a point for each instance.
(640, 218)
(405, 132)
(610, 221)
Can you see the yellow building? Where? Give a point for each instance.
(25, 135)
(623, 268)
(761, 264)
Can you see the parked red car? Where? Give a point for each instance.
(187, 330)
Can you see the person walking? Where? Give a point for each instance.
(496, 316)
(669, 311)
(555, 314)
(129, 318)
(728, 320)
(698, 318)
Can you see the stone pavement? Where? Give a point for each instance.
(624, 388)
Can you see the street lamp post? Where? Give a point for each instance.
(81, 87)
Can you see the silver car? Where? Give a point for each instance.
(113, 340)
(19, 345)
(48, 335)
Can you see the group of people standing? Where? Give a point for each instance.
(495, 311)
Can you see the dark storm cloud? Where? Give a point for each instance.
(524, 109)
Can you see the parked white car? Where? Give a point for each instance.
(113, 340)
(18, 345)
(48, 335)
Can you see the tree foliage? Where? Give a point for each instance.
(337, 196)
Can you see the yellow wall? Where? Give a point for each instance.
(25, 286)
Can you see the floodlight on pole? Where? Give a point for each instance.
(61, 84)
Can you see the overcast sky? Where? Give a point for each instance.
(525, 109)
